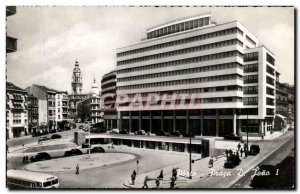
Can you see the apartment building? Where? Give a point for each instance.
(221, 68)
(53, 106)
(16, 111)
(33, 114)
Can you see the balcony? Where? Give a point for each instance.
(11, 44)
(11, 10)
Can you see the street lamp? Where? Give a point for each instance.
(190, 174)
(137, 166)
(247, 130)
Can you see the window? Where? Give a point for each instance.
(251, 56)
(270, 59)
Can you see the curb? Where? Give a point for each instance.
(260, 161)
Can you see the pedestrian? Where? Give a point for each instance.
(241, 150)
(174, 173)
(31, 159)
(77, 169)
(262, 136)
(133, 176)
(211, 163)
(226, 153)
(230, 152)
(157, 182)
(24, 159)
(246, 149)
(239, 146)
(39, 141)
(172, 183)
(145, 182)
(161, 175)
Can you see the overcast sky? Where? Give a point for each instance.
(50, 39)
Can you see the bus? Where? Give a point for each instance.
(20, 179)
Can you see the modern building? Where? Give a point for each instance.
(33, 114)
(291, 104)
(11, 42)
(76, 95)
(108, 93)
(226, 74)
(16, 111)
(53, 106)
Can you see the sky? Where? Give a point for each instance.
(50, 39)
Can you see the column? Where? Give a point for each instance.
(201, 124)
(187, 130)
(217, 122)
(111, 124)
(150, 120)
(261, 128)
(120, 120)
(107, 124)
(174, 120)
(140, 120)
(162, 120)
(234, 122)
(130, 121)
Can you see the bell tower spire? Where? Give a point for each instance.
(76, 79)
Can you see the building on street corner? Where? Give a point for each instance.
(222, 67)
(108, 86)
(16, 111)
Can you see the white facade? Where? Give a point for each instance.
(211, 61)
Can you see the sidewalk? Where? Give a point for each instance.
(200, 170)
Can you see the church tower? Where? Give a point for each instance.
(76, 79)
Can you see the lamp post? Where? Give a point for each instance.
(247, 132)
(137, 166)
(190, 174)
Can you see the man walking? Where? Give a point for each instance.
(145, 182)
(239, 146)
(161, 175)
(77, 169)
(226, 153)
(241, 150)
(133, 176)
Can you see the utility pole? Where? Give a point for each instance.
(190, 174)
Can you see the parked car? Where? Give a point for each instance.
(140, 132)
(52, 131)
(233, 137)
(44, 138)
(40, 156)
(232, 161)
(162, 133)
(98, 130)
(73, 152)
(124, 131)
(176, 134)
(114, 131)
(96, 150)
(85, 145)
(254, 150)
(55, 136)
(81, 127)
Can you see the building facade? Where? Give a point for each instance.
(16, 111)
(230, 77)
(108, 93)
(96, 114)
(11, 42)
(33, 114)
(53, 106)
